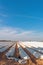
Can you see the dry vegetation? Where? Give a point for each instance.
(13, 62)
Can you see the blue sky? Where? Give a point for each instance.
(22, 16)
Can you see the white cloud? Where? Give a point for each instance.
(19, 34)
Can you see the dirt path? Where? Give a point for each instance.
(37, 50)
(32, 57)
(32, 47)
(2, 54)
(16, 53)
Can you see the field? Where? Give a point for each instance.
(21, 53)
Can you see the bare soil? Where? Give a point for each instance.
(13, 62)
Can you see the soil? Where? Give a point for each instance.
(13, 62)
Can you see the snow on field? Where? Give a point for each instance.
(6, 44)
(11, 51)
(23, 53)
(34, 45)
(31, 46)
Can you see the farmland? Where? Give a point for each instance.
(21, 53)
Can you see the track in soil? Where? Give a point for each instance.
(32, 57)
(2, 54)
(16, 53)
